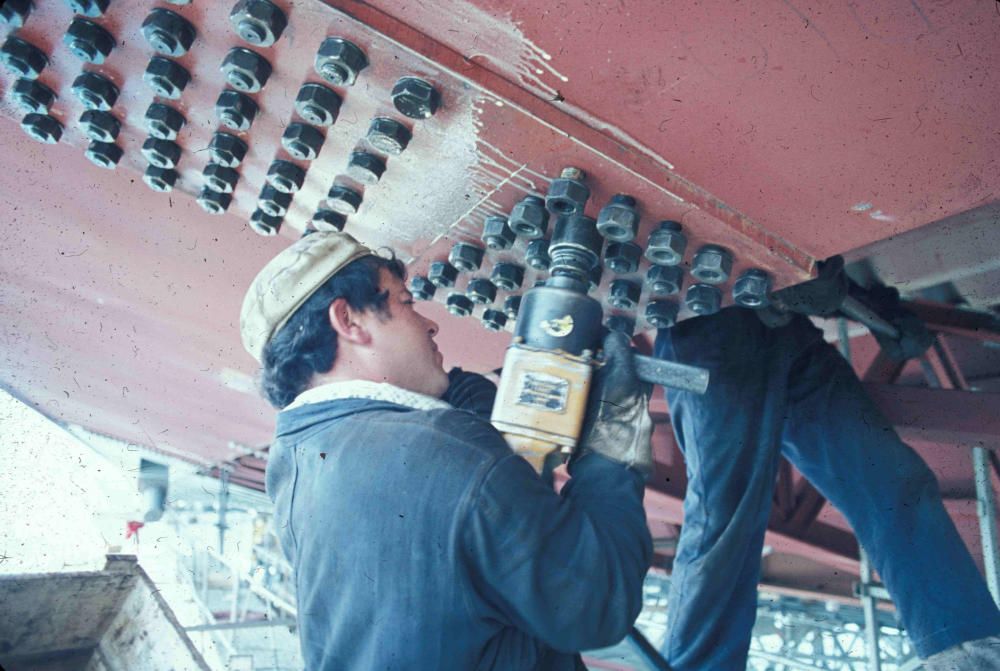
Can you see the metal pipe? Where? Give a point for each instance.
(245, 624)
(986, 506)
(871, 617)
(860, 312)
(645, 649)
(670, 374)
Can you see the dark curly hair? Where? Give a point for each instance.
(307, 344)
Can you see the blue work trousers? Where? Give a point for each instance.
(784, 391)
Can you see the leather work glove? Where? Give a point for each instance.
(617, 424)
(820, 296)
(471, 392)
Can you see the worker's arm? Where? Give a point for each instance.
(471, 392)
(568, 568)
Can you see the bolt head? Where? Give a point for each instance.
(666, 245)
(161, 153)
(274, 202)
(566, 197)
(42, 127)
(264, 224)
(703, 299)
(497, 234)
(365, 167)
(214, 202)
(511, 306)
(537, 254)
(89, 41)
(624, 294)
(494, 320)
(422, 288)
(14, 13)
(163, 121)
(459, 305)
(104, 154)
(343, 199)
(235, 110)
(529, 219)
(167, 78)
(33, 96)
(712, 264)
(317, 104)
(302, 141)
(285, 176)
(160, 179)
(507, 276)
(661, 314)
(91, 8)
(618, 221)
(621, 324)
(388, 136)
(168, 32)
(95, 91)
(752, 289)
(622, 258)
(328, 220)
(415, 98)
(664, 280)
(23, 58)
(220, 178)
(481, 291)
(259, 22)
(442, 274)
(465, 257)
(226, 149)
(100, 126)
(339, 61)
(245, 70)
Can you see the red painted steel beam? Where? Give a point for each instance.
(570, 121)
(947, 319)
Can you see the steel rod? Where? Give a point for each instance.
(860, 312)
(986, 507)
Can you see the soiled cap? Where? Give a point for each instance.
(289, 279)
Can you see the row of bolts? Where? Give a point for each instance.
(618, 223)
(259, 22)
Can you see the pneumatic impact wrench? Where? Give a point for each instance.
(542, 396)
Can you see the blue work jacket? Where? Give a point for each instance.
(421, 541)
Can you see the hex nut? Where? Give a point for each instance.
(95, 91)
(529, 219)
(163, 121)
(14, 13)
(220, 178)
(339, 61)
(459, 305)
(537, 254)
(622, 258)
(415, 98)
(624, 294)
(328, 220)
(317, 104)
(214, 202)
(664, 280)
(89, 8)
(481, 291)
(365, 167)
(511, 306)
(752, 288)
(259, 22)
(621, 324)
(245, 70)
(160, 179)
(465, 257)
(100, 126)
(226, 149)
(274, 202)
(497, 234)
(167, 78)
(343, 199)
(507, 276)
(285, 176)
(712, 264)
(168, 32)
(42, 127)
(23, 58)
(494, 320)
(388, 136)
(104, 154)
(703, 299)
(618, 221)
(33, 96)
(264, 224)
(666, 245)
(422, 288)
(661, 314)
(442, 274)
(161, 153)
(302, 141)
(235, 110)
(88, 41)
(566, 196)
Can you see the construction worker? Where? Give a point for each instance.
(419, 540)
(781, 390)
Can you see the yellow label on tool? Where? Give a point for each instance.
(558, 328)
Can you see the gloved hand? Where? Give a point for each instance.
(471, 392)
(820, 296)
(617, 424)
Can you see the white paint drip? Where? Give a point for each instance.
(862, 207)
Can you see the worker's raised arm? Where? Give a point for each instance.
(568, 568)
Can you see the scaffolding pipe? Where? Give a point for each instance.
(986, 506)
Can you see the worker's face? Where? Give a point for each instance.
(403, 340)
